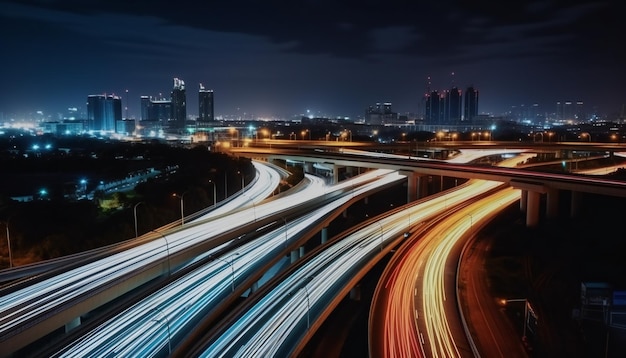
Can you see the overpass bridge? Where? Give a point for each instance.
(533, 184)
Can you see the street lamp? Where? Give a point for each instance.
(232, 267)
(585, 134)
(232, 132)
(527, 309)
(182, 206)
(135, 216)
(6, 223)
(242, 185)
(214, 193)
(286, 237)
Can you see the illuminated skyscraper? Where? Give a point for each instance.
(433, 108)
(179, 104)
(102, 112)
(452, 107)
(146, 104)
(205, 101)
(470, 106)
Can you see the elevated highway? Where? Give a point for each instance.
(533, 183)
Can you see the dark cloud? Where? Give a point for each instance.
(348, 28)
(363, 50)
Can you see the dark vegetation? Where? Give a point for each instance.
(58, 224)
(547, 265)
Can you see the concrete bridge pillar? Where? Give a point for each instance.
(532, 210)
(422, 186)
(294, 256)
(355, 293)
(532, 191)
(552, 203)
(308, 167)
(413, 180)
(523, 200)
(301, 251)
(414, 185)
(324, 234)
(336, 173)
(576, 202)
(72, 324)
(254, 287)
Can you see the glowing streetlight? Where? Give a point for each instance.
(232, 267)
(6, 223)
(182, 206)
(214, 193)
(234, 131)
(585, 135)
(242, 184)
(135, 216)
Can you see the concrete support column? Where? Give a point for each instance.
(301, 251)
(72, 324)
(308, 167)
(532, 210)
(324, 234)
(254, 287)
(355, 293)
(422, 186)
(412, 187)
(576, 203)
(523, 200)
(294, 256)
(336, 173)
(552, 203)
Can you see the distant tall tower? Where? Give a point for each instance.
(434, 108)
(205, 101)
(470, 106)
(102, 112)
(452, 109)
(146, 104)
(179, 104)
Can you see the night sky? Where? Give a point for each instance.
(335, 58)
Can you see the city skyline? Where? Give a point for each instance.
(280, 59)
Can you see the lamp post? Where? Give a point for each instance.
(232, 132)
(308, 308)
(232, 268)
(214, 193)
(135, 216)
(182, 206)
(585, 134)
(527, 309)
(242, 184)
(6, 223)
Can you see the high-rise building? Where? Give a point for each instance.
(381, 114)
(146, 106)
(568, 111)
(433, 108)
(452, 106)
(179, 104)
(103, 111)
(205, 101)
(470, 106)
